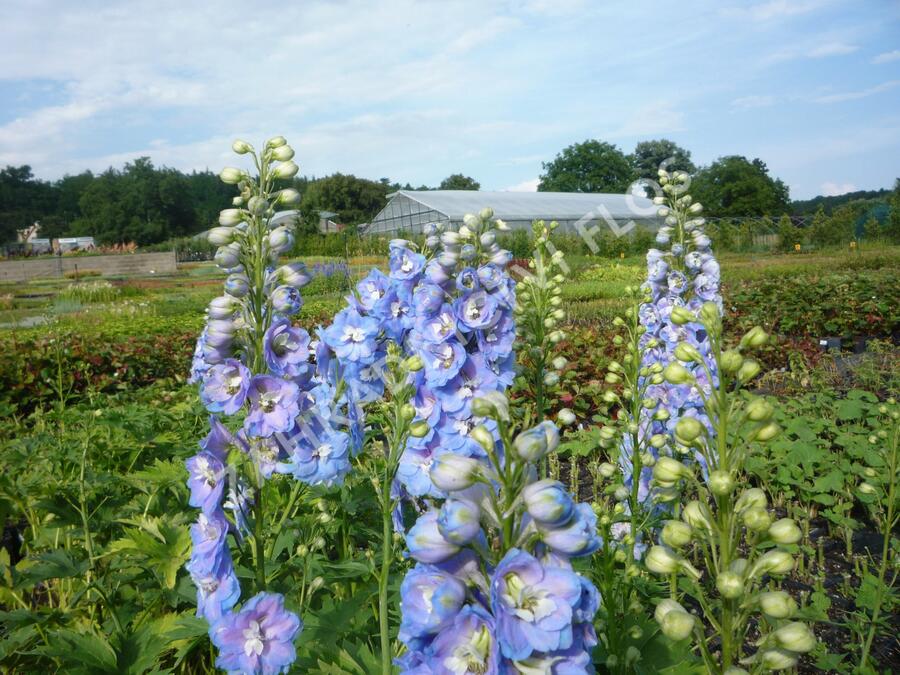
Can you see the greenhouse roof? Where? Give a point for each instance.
(530, 205)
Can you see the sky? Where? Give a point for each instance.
(415, 91)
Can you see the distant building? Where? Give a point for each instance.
(409, 210)
(326, 223)
(66, 244)
(28, 234)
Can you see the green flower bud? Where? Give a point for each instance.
(276, 142)
(698, 516)
(734, 670)
(730, 585)
(658, 440)
(749, 369)
(749, 498)
(241, 147)
(565, 417)
(676, 533)
(709, 314)
(231, 175)
(776, 563)
(731, 361)
(283, 153)
(777, 604)
(687, 352)
(288, 196)
(720, 483)
(668, 470)
(757, 519)
(755, 337)
(419, 429)
(777, 659)
(767, 432)
(407, 412)
(688, 429)
(759, 410)
(795, 637)
(867, 488)
(285, 170)
(675, 373)
(413, 364)
(681, 316)
(607, 470)
(483, 437)
(785, 531)
(662, 560)
(677, 625)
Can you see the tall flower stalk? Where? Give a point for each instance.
(494, 590)
(731, 531)
(255, 367)
(539, 314)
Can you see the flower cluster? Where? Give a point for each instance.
(253, 365)
(539, 313)
(493, 590)
(679, 281)
(743, 547)
(450, 304)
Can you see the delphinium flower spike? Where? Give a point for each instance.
(254, 368)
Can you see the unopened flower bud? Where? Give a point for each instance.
(674, 621)
(755, 337)
(675, 373)
(483, 437)
(720, 483)
(759, 410)
(676, 533)
(795, 637)
(285, 170)
(222, 236)
(419, 429)
(767, 432)
(288, 197)
(732, 361)
(751, 497)
(669, 470)
(228, 218)
(687, 429)
(730, 585)
(757, 519)
(785, 531)
(565, 417)
(607, 470)
(682, 315)
(451, 472)
(241, 147)
(685, 351)
(414, 364)
(407, 412)
(276, 142)
(777, 659)
(748, 370)
(775, 562)
(231, 175)
(283, 153)
(662, 560)
(777, 604)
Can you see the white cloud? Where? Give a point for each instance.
(855, 95)
(657, 117)
(831, 49)
(753, 101)
(887, 57)
(530, 185)
(774, 9)
(830, 189)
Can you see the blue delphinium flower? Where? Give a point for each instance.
(206, 481)
(259, 638)
(218, 588)
(352, 335)
(273, 406)
(225, 386)
(287, 350)
(467, 645)
(430, 598)
(534, 605)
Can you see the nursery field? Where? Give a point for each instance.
(97, 420)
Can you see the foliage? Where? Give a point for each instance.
(458, 181)
(734, 186)
(355, 200)
(590, 166)
(648, 157)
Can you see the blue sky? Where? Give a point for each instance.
(415, 91)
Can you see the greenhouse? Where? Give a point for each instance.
(409, 210)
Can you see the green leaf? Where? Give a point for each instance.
(56, 564)
(80, 652)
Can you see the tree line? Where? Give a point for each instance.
(147, 205)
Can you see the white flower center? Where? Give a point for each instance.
(471, 657)
(353, 334)
(253, 639)
(206, 471)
